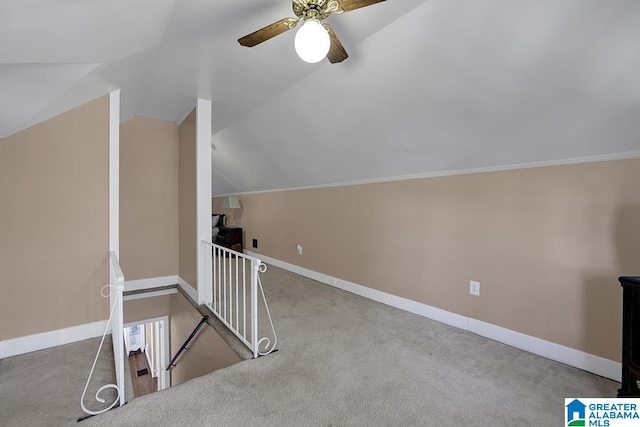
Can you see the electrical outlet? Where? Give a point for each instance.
(474, 288)
(299, 249)
(255, 243)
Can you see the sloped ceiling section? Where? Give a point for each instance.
(32, 88)
(430, 85)
(452, 85)
(52, 52)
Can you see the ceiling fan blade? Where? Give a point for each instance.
(348, 5)
(336, 50)
(268, 32)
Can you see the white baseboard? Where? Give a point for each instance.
(153, 282)
(29, 343)
(190, 290)
(567, 355)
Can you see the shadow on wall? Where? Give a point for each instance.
(603, 293)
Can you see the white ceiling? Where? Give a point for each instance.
(430, 85)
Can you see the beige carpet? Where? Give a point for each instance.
(345, 360)
(43, 388)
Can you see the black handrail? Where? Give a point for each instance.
(184, 346)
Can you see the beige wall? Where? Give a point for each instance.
(141, 309)
(547, 244)
(148, 198)
(187, 199)
(207, 351)
(54, 222)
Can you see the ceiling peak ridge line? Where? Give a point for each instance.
(627, 155)
(193, 107)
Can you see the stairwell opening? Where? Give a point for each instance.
(177, 317)
(147, 350)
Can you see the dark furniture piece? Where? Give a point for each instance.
(230, 237)
(630, 337)
(217, 220)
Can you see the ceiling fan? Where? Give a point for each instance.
(314, 39)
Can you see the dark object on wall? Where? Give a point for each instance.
(255, 243)
(630, 337)
(230, 237)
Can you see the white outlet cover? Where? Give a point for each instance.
(474, 288)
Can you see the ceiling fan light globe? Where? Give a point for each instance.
(312, 41)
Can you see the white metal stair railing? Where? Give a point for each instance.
(115, 289)
(232, 282)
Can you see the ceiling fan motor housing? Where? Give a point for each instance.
(314, 9)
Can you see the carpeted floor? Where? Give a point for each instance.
(345, 360)
(43, 388)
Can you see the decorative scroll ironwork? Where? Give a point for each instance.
(290, 22)
(333, 7)
(111, 288)
(265, 341)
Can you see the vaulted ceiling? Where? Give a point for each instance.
(430, 85)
